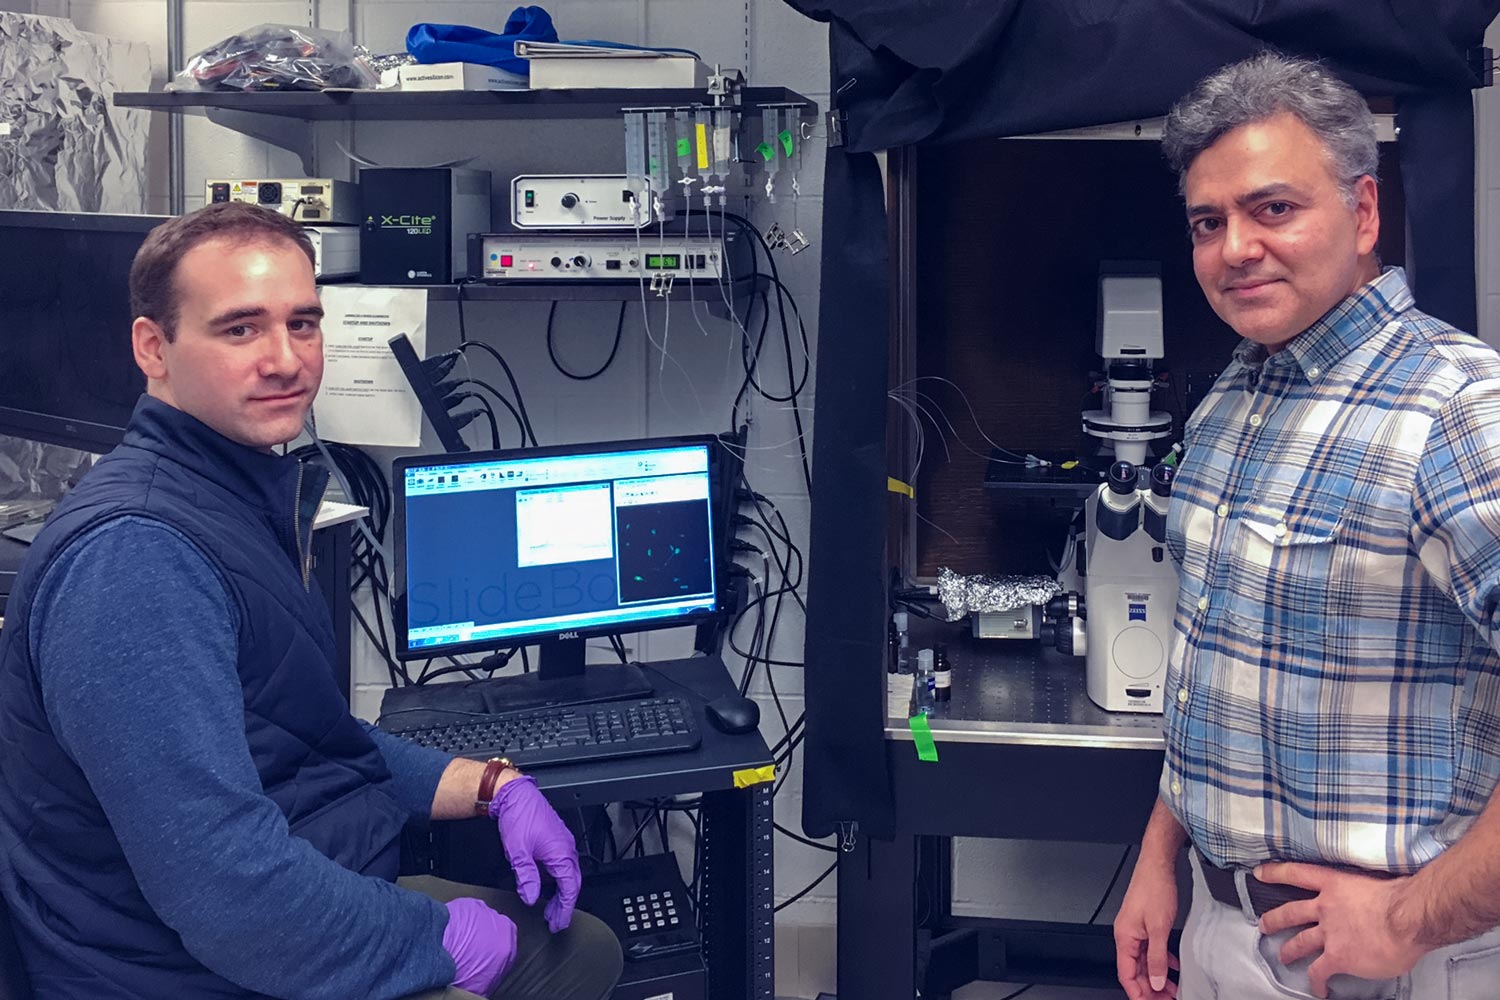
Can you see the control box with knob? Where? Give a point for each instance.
(317, 201)
(580, 201)
(505, 258)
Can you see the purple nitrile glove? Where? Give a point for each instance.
(531, 831)
(482, 943)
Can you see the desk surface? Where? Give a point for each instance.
(709, 768)
(1015, 691)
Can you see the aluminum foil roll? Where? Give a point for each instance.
(64, 146)
(962, 595)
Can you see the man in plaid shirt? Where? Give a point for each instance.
(1333, 691)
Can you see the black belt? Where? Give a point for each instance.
(1263, 895)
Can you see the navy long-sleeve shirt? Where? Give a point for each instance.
(134, 637)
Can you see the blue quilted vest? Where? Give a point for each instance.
(80, 918)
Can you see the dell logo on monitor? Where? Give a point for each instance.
(569, 635)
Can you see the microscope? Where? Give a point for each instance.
(1120, 587)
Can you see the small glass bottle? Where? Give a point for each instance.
(923, 684)
(903, 642)
(942, 675)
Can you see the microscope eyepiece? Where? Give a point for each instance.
(1161, 479)
(1122, 477)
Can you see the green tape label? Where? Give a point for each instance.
(766, 150)
(921, 733)
(786, 141)
(684, 147)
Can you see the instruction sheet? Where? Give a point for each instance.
(365, 399)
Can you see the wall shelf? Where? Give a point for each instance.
(282, 118)
(455, 105)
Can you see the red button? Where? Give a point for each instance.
(506, 260)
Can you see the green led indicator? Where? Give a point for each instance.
(661, 261)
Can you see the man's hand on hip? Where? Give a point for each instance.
(1141, 929)
(1347, 925)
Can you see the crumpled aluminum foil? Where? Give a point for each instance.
(32, 470)
(962, 595)
(64, 146)
(390, 60)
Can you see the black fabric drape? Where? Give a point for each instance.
(844, 775)
(943, 70)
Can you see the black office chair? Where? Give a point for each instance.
(13, 982)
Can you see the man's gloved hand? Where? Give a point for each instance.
(531, 831)
(482, 943)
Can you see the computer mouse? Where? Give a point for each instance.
(733, 714)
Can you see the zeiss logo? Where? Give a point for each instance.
(1137, 612)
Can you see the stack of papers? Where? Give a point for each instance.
(572, 65)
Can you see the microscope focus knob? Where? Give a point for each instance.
(569, 200)
(1122, 478)
(1161, 479)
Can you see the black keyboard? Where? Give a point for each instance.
(538, 737)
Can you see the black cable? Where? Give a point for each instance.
(635, 837)
(481, 383)
(786, 336)
(552, 352)
(800, 383)
(807, 888)
(1111, 887)
(488, 411)
(803, 840)
(1097, 910)
(465, 343)
(784, 535)
(769, 595)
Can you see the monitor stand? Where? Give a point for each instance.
(562, 679)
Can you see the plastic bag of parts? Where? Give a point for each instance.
(279, 57)
(962, 595)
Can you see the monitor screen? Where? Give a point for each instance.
(499, 548)
(67, 374)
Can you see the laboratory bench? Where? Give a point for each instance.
(1022, 754)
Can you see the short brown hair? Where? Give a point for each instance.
(153, 286)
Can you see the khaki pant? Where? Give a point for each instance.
(581, 963)
(1226, 957)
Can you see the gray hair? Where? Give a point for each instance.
(1261, 87)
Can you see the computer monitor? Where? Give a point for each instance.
(67, 374)
(549, 546)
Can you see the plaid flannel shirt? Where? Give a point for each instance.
(1333, 688)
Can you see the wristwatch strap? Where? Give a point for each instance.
(487, 781)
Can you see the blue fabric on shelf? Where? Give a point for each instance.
(439, 43)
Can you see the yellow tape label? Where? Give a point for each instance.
(754, 776)
(894, 485)
(702, 147)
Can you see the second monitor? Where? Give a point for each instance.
(549, 546)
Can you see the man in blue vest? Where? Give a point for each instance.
(187, 808)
